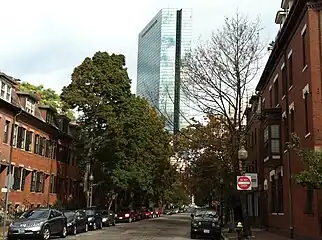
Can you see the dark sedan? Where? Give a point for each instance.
(76, 222)
(94, 218)
(36, 223)
(108, 218)
(205, 223)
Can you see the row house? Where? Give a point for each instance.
(37, 144)
(288, 101)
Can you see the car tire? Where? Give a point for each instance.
(130, 220)
(74, 230)
(86, 227)
(192, 235)
(107, 223)
(63, 233)
(46, 233)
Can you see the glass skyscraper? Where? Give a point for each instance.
(162, 44)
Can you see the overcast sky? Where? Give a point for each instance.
(42, 41)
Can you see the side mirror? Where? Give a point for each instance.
(191, 215)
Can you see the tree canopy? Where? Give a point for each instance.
(48, 97)
(120, 135)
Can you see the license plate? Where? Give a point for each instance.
(206, 231)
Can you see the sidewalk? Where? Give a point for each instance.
(257, 234)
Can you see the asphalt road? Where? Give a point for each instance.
(175, 227)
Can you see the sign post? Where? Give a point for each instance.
(244, 183)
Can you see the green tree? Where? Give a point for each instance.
(120, 135)
(311, 175)
(48, 97)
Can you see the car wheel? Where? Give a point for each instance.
(107, 223)
(130, 220)
(46, 233)
(86, 227)
(113, 223)
(94, 226)
(192, 235)
(63, 233)
(74, 230)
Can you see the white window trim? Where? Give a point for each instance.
(275, 78)
(30, 107)
(283, 65)
(270, 88)
(6, 90)
(271, 174)
(291, 107)
(305, 90)
(303, 29)
(289, 54)
(284, 115)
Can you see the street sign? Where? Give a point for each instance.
(244, 183)
(254, 179)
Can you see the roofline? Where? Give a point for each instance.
(279, 45)
(9, 78)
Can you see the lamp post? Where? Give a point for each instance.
(222, 201)
(90, 193)
(242, 157)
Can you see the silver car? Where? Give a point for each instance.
(42, 222)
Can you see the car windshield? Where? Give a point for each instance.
(211, 214)
(36, 214)
(89, 212)
(70, 214)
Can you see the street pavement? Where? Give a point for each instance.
(174, 227)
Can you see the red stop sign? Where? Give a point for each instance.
(244, 183)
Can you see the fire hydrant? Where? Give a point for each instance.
(239, 230)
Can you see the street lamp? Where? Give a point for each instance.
(242, 157)
(91, 180)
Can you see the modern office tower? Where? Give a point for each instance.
(162, 44)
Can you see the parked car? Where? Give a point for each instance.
(94, 218)
(205, 223)
(40, 222)
(157, 212)
(76, 222)
(108, 218)
(127, 215)
(168, 212)
(148, 213)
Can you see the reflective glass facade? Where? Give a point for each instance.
(156, 62)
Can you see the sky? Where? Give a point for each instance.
(43, 41)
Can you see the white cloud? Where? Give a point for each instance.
(42, 41)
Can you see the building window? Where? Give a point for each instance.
(33, 181)
(50, 118)
(6, 132)
(5, 91)
(286, 136)
(284, 80)
(36, 148)
(292, 118)
(280, 198)
(290, 70)
(52, 188)
(273, 194)
(21, 137)
(48, 148)
(28, 141)
(266, 134)
(304, 48)
(15, 133)
(42, 145)
(40, 182)
(275, 138)
(276, 100)
(306, 113)
(30, 106)
(309, 206)
(19, 176)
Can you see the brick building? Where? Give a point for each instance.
(289, 101)
(43, 159)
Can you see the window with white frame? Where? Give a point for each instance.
(5, 91)
(30, 106)
(19, 176)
